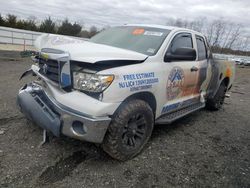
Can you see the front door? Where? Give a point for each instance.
(182, 76)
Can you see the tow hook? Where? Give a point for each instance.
(45, 138)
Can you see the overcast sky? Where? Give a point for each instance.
(117, 12)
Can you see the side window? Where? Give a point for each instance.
(201, 48)
(182, 40)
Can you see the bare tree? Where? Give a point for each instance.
(219, 31)
(198, 24)
(178, 22)
(227, 35)
(244, 44)
(236, 32)
(210, 30)
(221, 34)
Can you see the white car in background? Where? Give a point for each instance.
(238, 61)
(246, 62)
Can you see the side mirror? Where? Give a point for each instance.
(181, 54)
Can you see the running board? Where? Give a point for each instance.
(172, 116)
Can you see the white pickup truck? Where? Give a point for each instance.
(113, 88)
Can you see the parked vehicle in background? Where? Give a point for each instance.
(238, 61)
(246, 62)
(113, 88)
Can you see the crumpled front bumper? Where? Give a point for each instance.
(46, 112)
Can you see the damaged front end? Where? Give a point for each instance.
(47, 102)
(66, 98)
(52, 116)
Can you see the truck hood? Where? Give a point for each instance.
(84, 51)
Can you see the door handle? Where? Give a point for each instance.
(194, 69)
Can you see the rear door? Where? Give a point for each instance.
(204, 67)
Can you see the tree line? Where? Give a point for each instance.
(223, 36)
(47, 25)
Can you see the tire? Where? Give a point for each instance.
(218, 100)
(129, 130)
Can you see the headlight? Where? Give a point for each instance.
(91, 82)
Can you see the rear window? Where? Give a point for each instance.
(201, 47)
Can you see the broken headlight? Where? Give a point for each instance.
(91, 82)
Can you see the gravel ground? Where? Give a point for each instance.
(205, 149)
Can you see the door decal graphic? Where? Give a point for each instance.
(175, 83)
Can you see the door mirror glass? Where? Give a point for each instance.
(181, 54)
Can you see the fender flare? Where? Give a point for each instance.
(146, 96)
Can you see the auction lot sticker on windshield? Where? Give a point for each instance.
(153, 33)
(138, 31)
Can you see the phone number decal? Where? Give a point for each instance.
(138, 81)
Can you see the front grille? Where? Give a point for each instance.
(50, 69)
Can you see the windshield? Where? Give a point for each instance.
(146, 40)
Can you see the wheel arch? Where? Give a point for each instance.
(146, 96)
(226, 80)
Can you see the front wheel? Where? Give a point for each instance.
(218, 100)
(129, 131)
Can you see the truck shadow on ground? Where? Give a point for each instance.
(65, 165)
(163, 129)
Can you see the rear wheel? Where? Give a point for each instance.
(129, 130)
(218, 100)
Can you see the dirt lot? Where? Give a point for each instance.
(206, 149)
